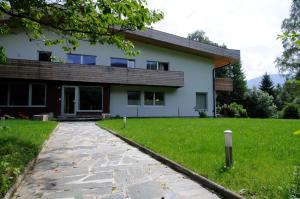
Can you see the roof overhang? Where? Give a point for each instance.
(220, 56)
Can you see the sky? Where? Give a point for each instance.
(252, 26)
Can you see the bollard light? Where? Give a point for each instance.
(228, 148)
(124, 121)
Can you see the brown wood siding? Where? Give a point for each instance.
(25, 69)
(223, 84)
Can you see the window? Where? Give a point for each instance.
(201, 101)
(134, 98)
(45, 56)
(19, 94)
(90, 98)
(81, 59)
(154, 65)
(22, 94)
(154, 98)
(38, 95)
(122, 63)
(3, 94)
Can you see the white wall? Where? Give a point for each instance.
(197, 74)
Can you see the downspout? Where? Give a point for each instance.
(214, 92)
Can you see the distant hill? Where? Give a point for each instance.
(276, 78)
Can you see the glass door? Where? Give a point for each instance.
(69, 100)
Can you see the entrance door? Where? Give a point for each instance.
(69, 100)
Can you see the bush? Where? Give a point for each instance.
(259, 104)
(233, 110)
(202, 114)
(290, 112)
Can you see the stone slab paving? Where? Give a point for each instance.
(80, 160)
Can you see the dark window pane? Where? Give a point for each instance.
(90, 98)
(149, 97)
(38, 94)
(118, 62)
(163, 66)
(74, 59)
(3, 93)
(45, 56)
(134, 98)
(151, 65)
(201, 101)
(19, 94)
(89, 60)
(159, 99)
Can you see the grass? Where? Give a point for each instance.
(20, 142)
(265, 151)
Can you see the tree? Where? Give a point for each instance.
(266, 85)
(199, 36)
(97, 21)
(290, 59)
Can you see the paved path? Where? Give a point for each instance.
(83, 161)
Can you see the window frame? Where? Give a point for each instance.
(77, 107)
(206, 101)
(81, 58)
(157, 65)
(140, 99)
(29, 96)
(154, 98)
(123, 59)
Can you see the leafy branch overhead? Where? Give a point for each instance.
(97, 21)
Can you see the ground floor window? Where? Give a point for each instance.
(90, 98)
(154, 98)
(201, 101)
(134, 97)
(22, 94)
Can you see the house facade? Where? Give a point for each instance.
(171, 77)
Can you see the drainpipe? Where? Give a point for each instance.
(214, 92)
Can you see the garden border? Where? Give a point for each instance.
(220, 190)
(9, 194)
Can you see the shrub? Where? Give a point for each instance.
(290, 112)
(202, 114)
(233, 110)
(259, 104)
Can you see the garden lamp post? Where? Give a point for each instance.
(228, 148)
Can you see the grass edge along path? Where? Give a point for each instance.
(265, 151)
(20, 142)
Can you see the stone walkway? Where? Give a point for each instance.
(80, 160)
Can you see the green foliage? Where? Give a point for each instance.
(199, 36)
(289, 60)
(233, 110)
(20, 142)
(291, 111)
(235, 72)
(294, 191)
(265, 151)
(266, 85)
(259, 104)
(202, 114)
(99, 21)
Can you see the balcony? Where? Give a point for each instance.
(35, 70)
(223, 84)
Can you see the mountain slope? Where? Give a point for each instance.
(255, 82)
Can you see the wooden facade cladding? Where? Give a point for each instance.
(223, 84)
(28, 69)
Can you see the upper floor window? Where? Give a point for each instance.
(155, 65)
(81, 59)
(45, 56)
(122, 63)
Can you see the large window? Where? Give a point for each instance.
(90, 98)
(122, 63)
(155, 65)
(45, 56)
(154, 98)
(201, 101)
(81, 59)
(22, 94)
(134, 97)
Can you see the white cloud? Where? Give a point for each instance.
(251, 26)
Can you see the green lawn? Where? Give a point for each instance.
(265, 151)
(20, 142)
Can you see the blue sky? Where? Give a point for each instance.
(251, 26)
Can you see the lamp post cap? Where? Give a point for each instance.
(228, 131)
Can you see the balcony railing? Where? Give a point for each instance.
(223, 84)
(28, 69)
